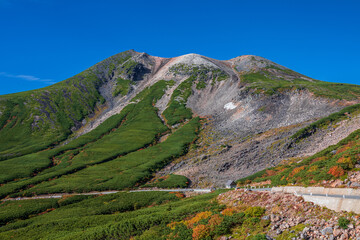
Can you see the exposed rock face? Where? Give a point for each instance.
(256, 112)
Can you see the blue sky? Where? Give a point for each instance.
(46, 41)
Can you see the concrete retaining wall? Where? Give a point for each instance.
(333, 203)
(318, 190)
(336, 204)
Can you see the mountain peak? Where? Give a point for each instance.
(193, 59)
(252, 62)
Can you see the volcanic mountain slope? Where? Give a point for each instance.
(119, 122)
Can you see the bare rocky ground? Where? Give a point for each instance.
(222, 156)
(352, 181)
(286, 211)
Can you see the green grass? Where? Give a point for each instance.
(343, 222)
(122, 87)
(267, 83)
(35, 120)
(177, 112)
(202, 74)
(201, 85)
(12, 210)
(36, 162)
(129, 67)
(137, 126)
(124, 172)
(170, 181)
(115, 216)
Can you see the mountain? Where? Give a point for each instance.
(249, 109)
(135, 121)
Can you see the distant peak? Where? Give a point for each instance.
(193, 59)
(252, 62)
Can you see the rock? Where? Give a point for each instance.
(278, 232)
(336, 232)
(355, 184)
(223, 238)
(306, 229)
(327, 231)
(267, 217)
(300, 220)
(274, 227)
(336, 183)
(274, 218)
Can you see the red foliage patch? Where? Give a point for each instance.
(336, 171)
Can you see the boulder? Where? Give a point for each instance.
(327, 231)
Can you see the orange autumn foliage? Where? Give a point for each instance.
(197, 218)
(228, 211)
(180, 195)
(200, 231)
(214, 221)
(336, 171)
(296, 171)
(270, 173)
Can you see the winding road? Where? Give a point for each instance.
(198, 190)
(60, 195)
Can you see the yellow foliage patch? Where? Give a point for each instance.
(313, 168)
(296, 171)
(203, 215)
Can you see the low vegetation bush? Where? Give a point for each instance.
(22, 209)
(343, 222)
(170, 181)
(35, 120)
(122, 87)
(137, 126)
(268, 83)
(177, 111)
(115, 216)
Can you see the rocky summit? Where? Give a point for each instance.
(135, 121)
